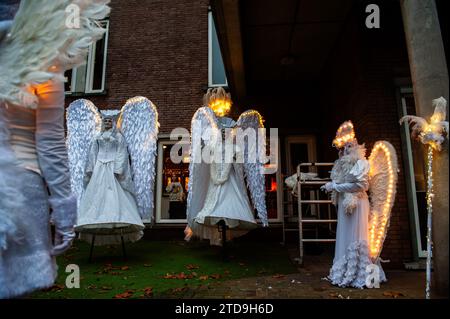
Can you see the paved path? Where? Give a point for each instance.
(308, 283)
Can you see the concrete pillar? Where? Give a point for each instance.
(430, 81)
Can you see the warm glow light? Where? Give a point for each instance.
(380, 219)
(221, 107)
(344, 134)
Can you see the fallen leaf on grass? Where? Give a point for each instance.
(215, 276)
(148, 265)
(393, 294)
(192, 266)
(124, 268)
(178, 290)
(204, 277)
(106, 288)
(55, 288)
(178, 276)
(124, 295)
(92, 287)
(278, 276)
(148, 292)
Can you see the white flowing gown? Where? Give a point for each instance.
(352, 236)
(226, 200)
(108, 207)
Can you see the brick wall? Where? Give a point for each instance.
(360, 87)
(158, 49)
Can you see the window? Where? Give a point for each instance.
(415, 172)
(171, 185)
(216, 68)
(90, 77)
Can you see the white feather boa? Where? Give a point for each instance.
(340, 174)
(41, 45)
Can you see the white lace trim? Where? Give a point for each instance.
(350, 269)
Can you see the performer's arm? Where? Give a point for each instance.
(53, 161)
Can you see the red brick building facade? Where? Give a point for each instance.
(160, 49)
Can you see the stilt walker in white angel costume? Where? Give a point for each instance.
(113, 196)
(217, 189)
(35, 50)
(362, 223)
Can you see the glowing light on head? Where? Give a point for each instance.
(218, 100)
(344, 134)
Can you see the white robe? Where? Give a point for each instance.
(352, 236)
(226, 200)
(108, 207)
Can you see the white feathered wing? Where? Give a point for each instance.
(83, 123)
(139, 125)
(203, 125)
(253, 167)
(383, 178)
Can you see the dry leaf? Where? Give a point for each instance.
(106, 288)
(204, 277)
(393, 294)
(278, 276)
(179, 289)
(147, 265)
(148, 292)
(55, 288)
(124, 295)
(192, 266)
(125, 268)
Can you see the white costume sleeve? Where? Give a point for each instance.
(52, 153)
(358, 177)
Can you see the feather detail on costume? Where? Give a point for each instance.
(139, 125)
(83, 123)
(41, 45)
(383, 178)
(11, 198)
(419, 123)
(253, 167)
(203, 122)
(436, 131)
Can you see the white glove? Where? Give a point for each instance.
(328, 187)
(64, 219)
(63, 240)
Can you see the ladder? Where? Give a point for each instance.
(312, 184)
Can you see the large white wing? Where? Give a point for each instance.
(253, 167)
(45, 40)
(139, 125)
(83, 123)
(203, 122)
(383, 177)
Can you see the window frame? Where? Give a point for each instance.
(89, 74)
(159, 188)
(408, 162)
(210, 55)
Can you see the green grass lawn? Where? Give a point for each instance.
(163, 269)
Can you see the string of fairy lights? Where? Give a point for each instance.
(379, 222)
(432, 134)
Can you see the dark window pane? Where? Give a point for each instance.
(218, 69)
(99, 57)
